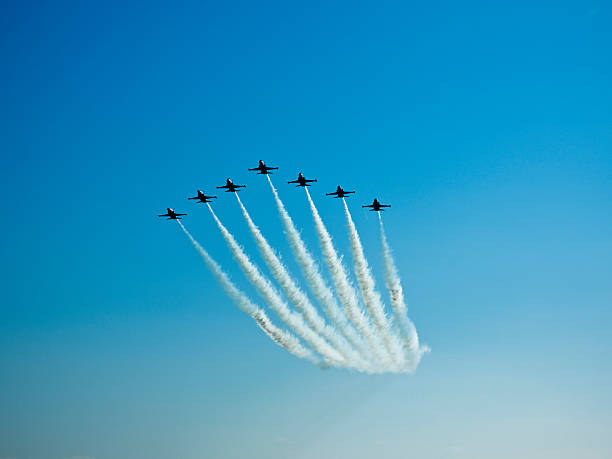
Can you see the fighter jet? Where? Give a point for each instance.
(201, 197)
(339, 193)
(231, 187)
(377, 206)
(172, 215)
(263, 169)
(301, 181)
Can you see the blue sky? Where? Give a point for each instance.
(488, 128)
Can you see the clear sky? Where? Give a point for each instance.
(488, 127)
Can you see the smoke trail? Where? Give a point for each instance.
(394, 285)
(315, 280)
(346, 292)
(371, 297)
(284, 339)
(272, 297)
(297, 296)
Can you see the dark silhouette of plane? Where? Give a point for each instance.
(301, 181)
(231, 187)
(263, 169)
(377, 206)
(339, 193)
(172, 215)
(201, 197)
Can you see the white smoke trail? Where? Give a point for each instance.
(293, 320)
(297, 296)
(284, 339)
(315, 280)
(371, 297)
(346, 292)
(396, 293)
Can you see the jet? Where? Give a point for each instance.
(231, 187)
(263, 169)
(201, 197)
(172, 215)
(339, 193)
(377, 206)
(301, 181)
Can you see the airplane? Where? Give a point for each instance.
(377, 206)
(263, 169)
(231, 187)
(301, 181)
(172, 215)
(201, 197)
(339, 193)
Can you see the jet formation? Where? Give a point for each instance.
(262, 169)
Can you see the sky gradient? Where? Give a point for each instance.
(489, 130)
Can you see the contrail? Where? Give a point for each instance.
(297, 296)
(346, 292)
(284, 339)
(274, 300)
(315, 280)
(396, 293)
(371, 297)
